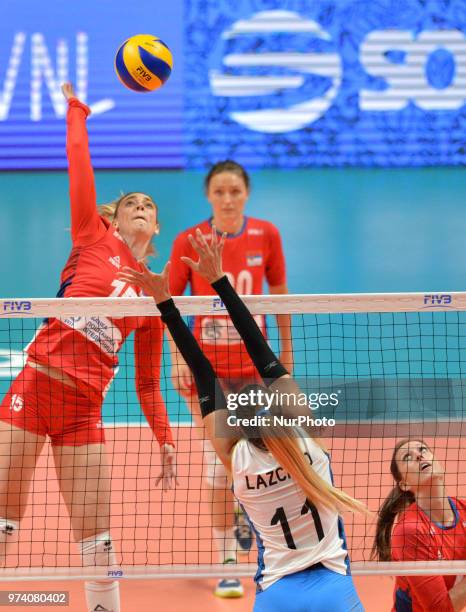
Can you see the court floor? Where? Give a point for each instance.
(192, 595)
(151, 527)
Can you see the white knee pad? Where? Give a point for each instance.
(8, 533)
(214, 471)
(98, 550)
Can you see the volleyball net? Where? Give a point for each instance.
(374, 368)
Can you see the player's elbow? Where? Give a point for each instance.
(75, 146)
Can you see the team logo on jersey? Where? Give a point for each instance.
(17, 403)
(255, 231)
(115, 261)
(254, 259)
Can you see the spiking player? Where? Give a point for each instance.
(253, 253)
(431, 526)
(302, 558)
(71, 363)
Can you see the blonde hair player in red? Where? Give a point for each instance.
(70, 365)
(253, 253)
(431, 526)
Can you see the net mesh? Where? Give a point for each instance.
(396, 363)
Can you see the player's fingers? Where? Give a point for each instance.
(129, 279)
(128, 270)
(201, 240)
(195, 244)
(194, 265)
(157, 480)
(145, 269)
(166, 270)
(221, 243)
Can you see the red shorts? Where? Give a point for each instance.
(45, 406)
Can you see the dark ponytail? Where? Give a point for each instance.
(395, 503)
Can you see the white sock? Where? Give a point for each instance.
(225, 543)
(8, 534)
(101, 595)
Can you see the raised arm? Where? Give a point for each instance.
(272, 371)
(86, 225)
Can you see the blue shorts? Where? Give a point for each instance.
(317, 589)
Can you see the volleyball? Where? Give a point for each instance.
(143, 63)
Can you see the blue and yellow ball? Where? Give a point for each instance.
(143, 63)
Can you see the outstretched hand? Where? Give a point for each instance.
(156, 285)
(209, 265)
(68, 90)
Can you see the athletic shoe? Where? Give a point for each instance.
(228, 588)
(242, 533)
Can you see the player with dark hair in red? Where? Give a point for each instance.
(431, 526)
(253, 253)
(71, 363)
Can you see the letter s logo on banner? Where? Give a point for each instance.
(407, 67)
(326, 83)
(291, 82)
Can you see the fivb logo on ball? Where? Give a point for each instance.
(290, 70)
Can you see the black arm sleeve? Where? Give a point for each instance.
(265, 360)
(210, 393)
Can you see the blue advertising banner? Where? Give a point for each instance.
(292, 84)
(272, 83)
(44, 44)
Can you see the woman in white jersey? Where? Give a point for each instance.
(282, 479)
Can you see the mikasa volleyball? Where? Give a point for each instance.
(143, 62)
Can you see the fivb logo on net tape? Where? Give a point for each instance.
(331, 82)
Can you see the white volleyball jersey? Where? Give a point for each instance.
(292, 534)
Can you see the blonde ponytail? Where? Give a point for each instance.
(284, 446)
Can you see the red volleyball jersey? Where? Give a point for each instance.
(86, 348)
(249, 256)
(417, 538)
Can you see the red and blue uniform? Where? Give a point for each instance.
(251, 256)
(417, 538)
(85, 349)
